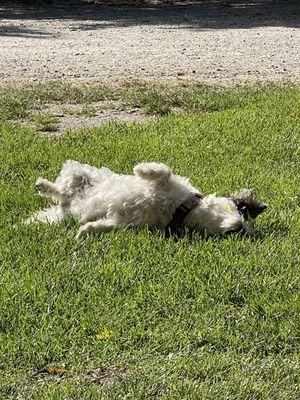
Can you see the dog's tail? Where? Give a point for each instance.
(155, 172)
(47, 215)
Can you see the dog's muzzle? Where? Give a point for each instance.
(243, 229)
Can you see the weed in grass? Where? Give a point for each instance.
(14, 104)
(46, 123)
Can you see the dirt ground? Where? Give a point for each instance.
(216, 42)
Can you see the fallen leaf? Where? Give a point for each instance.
(105, 334)
(55, 370)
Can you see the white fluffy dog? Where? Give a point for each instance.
(152, 196)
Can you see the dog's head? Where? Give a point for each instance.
(247, 205)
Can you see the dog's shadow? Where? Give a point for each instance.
(193, 235)
(277, 229)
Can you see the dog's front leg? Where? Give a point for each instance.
(101, 225)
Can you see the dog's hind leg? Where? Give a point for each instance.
(74, 178)
(47, 216)
(46, 188)
(101, 225)
(155, 172)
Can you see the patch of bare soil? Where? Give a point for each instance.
(77, 117)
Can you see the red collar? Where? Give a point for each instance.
(183, 210)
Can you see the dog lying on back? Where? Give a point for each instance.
(152, 196)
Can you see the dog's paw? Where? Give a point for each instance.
(84, 231)
(42, 185)
(28, 221)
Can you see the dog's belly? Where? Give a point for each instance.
(127, 199)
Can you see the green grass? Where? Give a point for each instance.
(187, 318)
(46, 123)
(160, 99)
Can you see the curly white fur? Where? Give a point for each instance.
(149, 197)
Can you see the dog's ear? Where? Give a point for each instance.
(247, 205)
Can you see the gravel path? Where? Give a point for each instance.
(208, 42)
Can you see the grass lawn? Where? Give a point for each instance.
(132, 314)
